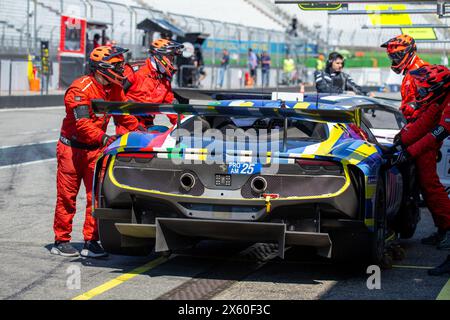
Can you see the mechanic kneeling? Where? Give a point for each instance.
(332, 80)
(422, 139)
(83, 137)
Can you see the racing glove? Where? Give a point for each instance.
(107, 140)
(398, 146)
(399, 158)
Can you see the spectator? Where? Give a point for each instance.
(185, 67)
(293, 30)
(223, 67)
(96, 41)
(288, 69)
(252, 64)
(265, 69)
(199, 64)
(320, 62)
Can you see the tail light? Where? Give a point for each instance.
(100, 171)
(319, 165)
(141, 157)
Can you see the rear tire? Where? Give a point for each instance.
(377, 237)
(364, 247)
(408, 216)
(111, 240)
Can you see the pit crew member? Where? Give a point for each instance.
(83, 137)
(421, 140)
(332, 80)
(151, 82)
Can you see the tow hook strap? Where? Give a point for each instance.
(268, 205)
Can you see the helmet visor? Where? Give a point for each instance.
(119, 67)
(170, 49)
(396, 57)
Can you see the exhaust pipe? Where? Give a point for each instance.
(187, 181)
(258, 184)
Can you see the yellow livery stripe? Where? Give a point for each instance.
(361, 153)
(301, 105)
(123, 142)
(324, 147)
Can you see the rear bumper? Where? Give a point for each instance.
(224, 207)
(172, 233)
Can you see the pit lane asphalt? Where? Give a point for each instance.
(29, 271)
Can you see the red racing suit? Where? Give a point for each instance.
(408, 90)
(77, 150)
(145, 84)
(423, 139)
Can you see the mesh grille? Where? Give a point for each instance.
(160, 180)
(295, 186)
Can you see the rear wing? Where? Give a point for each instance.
(255, 108)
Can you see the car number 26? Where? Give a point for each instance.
(244, 168)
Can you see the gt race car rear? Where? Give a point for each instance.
(158, 189)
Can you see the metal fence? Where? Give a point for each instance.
(24, 23)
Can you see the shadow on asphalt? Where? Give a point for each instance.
(122, 263)
(224, 262)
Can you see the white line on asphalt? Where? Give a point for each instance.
(30, 109)
(27, 163)
(28, 144)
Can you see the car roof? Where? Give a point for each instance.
(344, 101)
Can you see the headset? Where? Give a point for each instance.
(332, 57)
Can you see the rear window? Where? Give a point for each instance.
(381, 119)
(260, 127)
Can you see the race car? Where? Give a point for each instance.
(305, 173)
